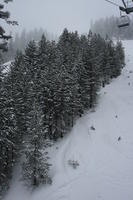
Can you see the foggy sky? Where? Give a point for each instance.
(55, 15)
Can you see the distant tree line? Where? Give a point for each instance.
(109, 26)
(20, 41)
(48, 87)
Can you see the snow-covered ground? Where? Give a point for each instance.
(104, 152)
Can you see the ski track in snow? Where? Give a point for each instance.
(105, 170)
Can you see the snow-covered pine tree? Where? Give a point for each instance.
(106, 63)
(83, 74)
(76, 62)
(30, 76)
(94, 63)
(46, 58)
(119, 58)
(46, 89)
(120, 49)
(89, 73)
(8, 135)
(69, 47)
(20, 89)
(35, 168)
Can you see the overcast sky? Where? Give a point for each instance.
(55, 15)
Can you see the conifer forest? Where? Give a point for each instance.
(66, 100)
(46, 89)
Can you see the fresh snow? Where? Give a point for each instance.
(104, 152)
(6, 67)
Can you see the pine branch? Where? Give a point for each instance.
(1, 6)
(4, 15)
(3, 47)
(7, 1)
(2, 31)
(6, 37)
(13, 23)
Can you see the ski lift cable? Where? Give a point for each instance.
(124, 3)
(115, 4)
(123, 8)
(124, 19)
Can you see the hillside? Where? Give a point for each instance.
(102, 144)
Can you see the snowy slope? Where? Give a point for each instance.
(105, 168)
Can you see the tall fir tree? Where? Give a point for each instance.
(35, 166)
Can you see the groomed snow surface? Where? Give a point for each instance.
(102, 144)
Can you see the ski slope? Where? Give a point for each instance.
(104, 152)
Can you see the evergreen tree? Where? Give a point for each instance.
(119, 58)
(8, 135)
(36, 166)
(47, 88)
(20, 88)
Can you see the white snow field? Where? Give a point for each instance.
(102, 144)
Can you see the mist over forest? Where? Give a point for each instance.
(20, 40)
(108, 26)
